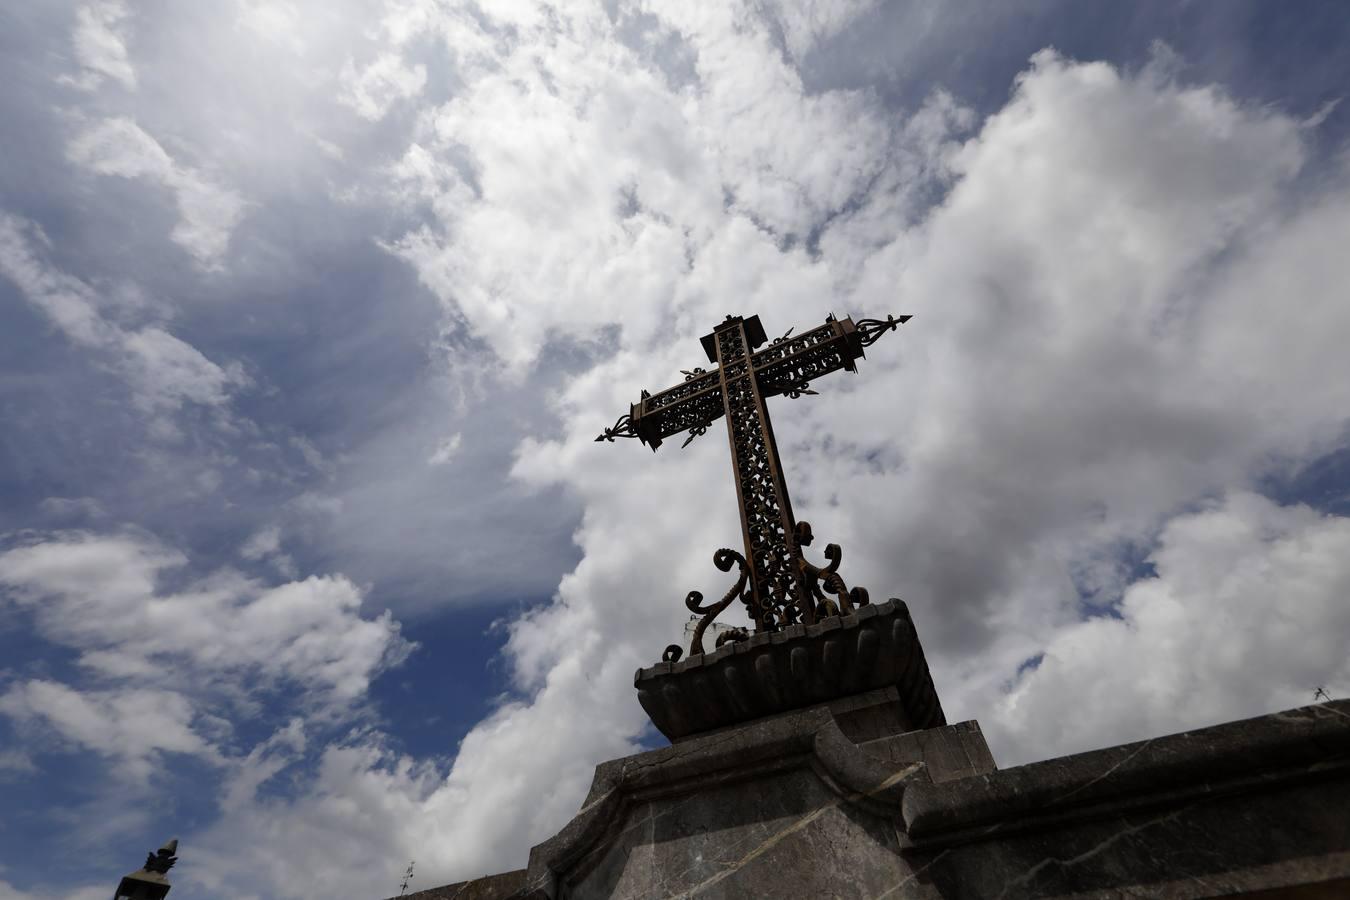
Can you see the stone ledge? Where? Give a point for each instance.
(1251, 754)
(800, 666)
(488, 887)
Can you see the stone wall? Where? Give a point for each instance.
(788, 806)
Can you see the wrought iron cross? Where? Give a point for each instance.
(779, 587)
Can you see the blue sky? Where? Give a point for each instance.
(309, 314)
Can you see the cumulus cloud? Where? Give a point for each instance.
(183, 671)
(1079, 374)
(361, 803)
(1086, 361)
(573, 144)
(1245, 615)
(98, 595)
(207, 211)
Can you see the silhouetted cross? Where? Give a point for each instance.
(782, 585)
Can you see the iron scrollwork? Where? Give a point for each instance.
(786, 346)
(847, 601)
(724, 559)
(698, 410)
(788, 368)
(694, 382)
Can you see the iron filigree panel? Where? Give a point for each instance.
(766, 511)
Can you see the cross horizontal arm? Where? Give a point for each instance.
(693, 404)
(694, 413)
(789, 364)
(786, 366)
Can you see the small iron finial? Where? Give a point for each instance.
(407, 877)
(162, 860)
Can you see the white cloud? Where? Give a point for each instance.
(445, 450)
(169, 371)
(100, 40)
(1087, 359)
(207, 211)
(360, 805)
(173, 672)
(133, 726)
(162, 371)
(374, 89)
(574, 190)
(97, 595)
(262, 543)
(273, 20)
(119, 147)
(1245, 615)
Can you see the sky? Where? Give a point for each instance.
(310, 313)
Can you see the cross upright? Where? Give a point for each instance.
(782, 585)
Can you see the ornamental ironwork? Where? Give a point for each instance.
(775, 582)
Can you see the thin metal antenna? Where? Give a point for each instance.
(407, 877)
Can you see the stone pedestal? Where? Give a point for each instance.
(783, 807)
(869, 667)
